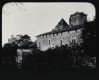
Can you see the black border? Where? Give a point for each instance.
(28, 76)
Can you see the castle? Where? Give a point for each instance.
(63, 33)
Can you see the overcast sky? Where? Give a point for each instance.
(36, 18)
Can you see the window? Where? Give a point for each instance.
(39, 45)
(61, 33)
(47, 35)
(61, 42)
(73, 41)
(76, 30)
(49, 41)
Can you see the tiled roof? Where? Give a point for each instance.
(62, 26)
(62, 30)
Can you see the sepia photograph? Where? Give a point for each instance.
(49, 38)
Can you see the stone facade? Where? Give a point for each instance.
(53, 40)
(77, 19)
(65, 35)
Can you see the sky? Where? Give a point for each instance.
(37, 18)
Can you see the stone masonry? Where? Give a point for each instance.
(63, 33)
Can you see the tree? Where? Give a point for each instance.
(25, 42)
(9, 50)
(8, 53)
(89, 38)
(22, 41)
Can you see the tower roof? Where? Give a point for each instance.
(62, 23)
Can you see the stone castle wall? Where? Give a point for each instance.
(77, 19)
(52, 40)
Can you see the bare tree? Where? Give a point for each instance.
(19, 6)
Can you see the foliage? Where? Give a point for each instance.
(73, 56)
(9, 53)
(69, 56)
(22, 41)
(9, 50)
(89, 38)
